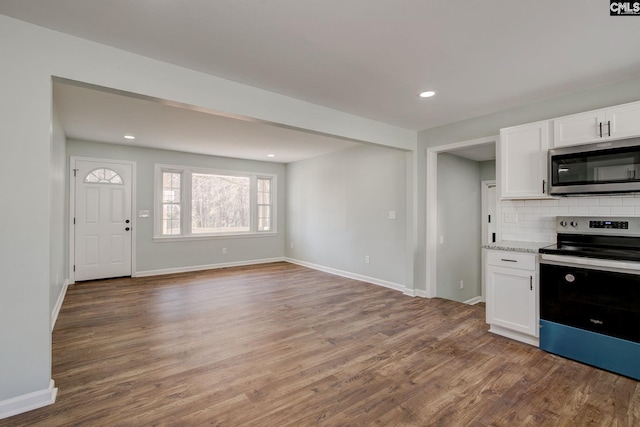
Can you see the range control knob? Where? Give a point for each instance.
(563, 223)
(574, 223)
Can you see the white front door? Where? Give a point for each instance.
(102, 219)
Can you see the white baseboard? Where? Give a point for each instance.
(58, 306)
(349, 275)
(28, 402)
(421, 293)
(206, 267)
(473, 301)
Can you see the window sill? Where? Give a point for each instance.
(168, 239)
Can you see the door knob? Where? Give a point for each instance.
(126, 229)
(127, 221)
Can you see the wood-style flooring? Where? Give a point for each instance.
(282, 345)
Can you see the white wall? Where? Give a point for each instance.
(30, 56)
(459, 210)
(25, 219)
(488, 170)
(338, 212)
(59, 206)
(154, 257)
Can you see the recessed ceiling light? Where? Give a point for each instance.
(426, 94)
(271, 155)
(129, 137)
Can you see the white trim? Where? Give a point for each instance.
(191, 268)
(28, 402)
(419, 293)
(432, 205)
(72, 209)
(349, 275)
(432, 222)
(248, 235)
(473, 301)
(58, 306)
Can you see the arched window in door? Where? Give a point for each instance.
(103, 176)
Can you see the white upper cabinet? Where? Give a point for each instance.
(578, 128)
(622, 121)
(625, 120)
(522, 161)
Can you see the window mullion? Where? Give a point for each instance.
(186, 202)
(253, 204)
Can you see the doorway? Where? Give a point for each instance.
(102, 222)
(450, 250)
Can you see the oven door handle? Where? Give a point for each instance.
(591, 263)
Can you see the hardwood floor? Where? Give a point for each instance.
(282, 345)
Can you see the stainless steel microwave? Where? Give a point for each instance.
(604, 167)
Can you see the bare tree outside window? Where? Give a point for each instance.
(220, 203)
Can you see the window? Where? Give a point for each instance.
(220, 203)
(195, 203)
(171, 201)
(264, 204)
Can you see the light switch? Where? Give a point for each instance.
(143, 214)
(392, 214)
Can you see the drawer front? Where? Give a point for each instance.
(521, 260)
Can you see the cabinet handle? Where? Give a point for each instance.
(544, 183)
(609, 127)
(530, 283)
(600, 125)
(509, 260)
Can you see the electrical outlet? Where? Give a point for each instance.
(461, 284)
(291, 245)
(224, 250)
(366, 259)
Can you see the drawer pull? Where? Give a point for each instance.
(508, 260)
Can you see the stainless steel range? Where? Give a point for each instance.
(590, 293)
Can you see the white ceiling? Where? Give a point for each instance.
(371, 57)
(99, 115)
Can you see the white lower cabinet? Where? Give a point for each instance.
(512, 294)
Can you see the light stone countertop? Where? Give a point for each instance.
(513, 246)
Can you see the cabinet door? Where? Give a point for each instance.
(511, 299)
(579, 128)
(522, 164)
(624, 120)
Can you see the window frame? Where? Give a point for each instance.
(186, 203)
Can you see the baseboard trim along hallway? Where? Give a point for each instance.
(28, 402)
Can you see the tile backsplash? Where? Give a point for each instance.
(534, 220)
